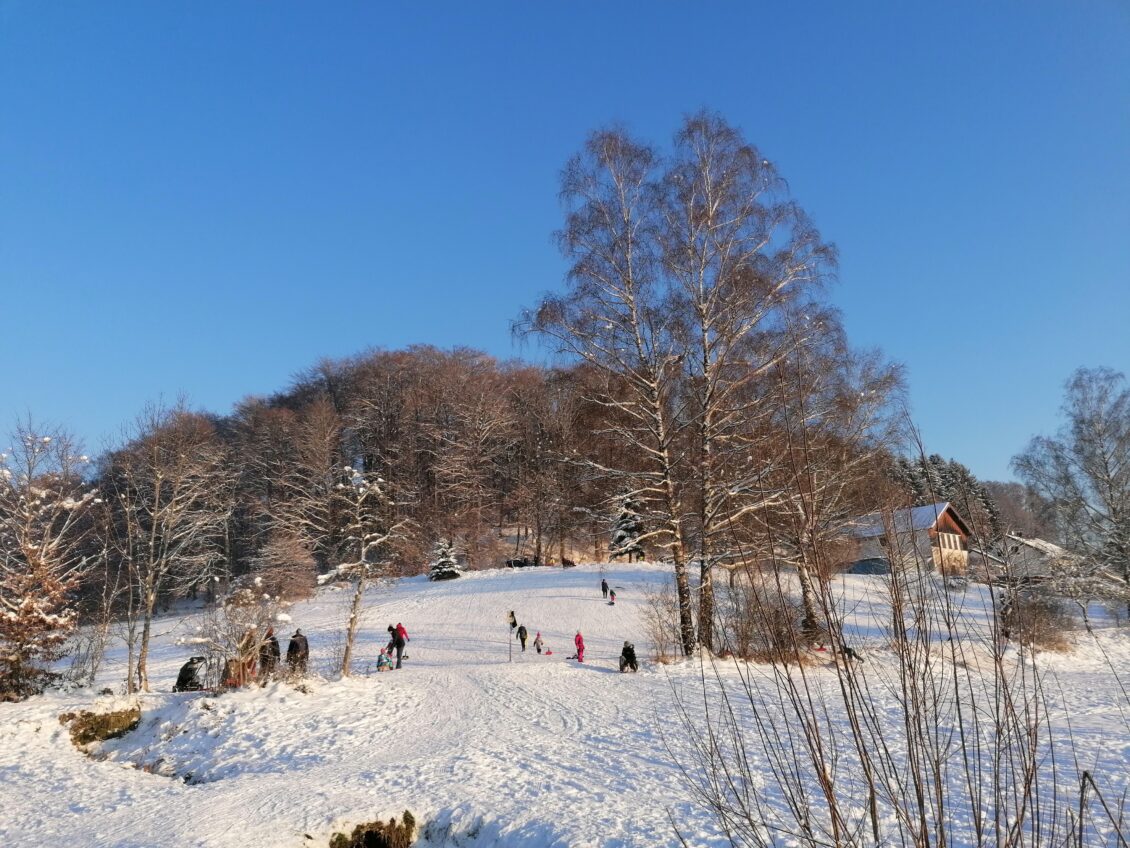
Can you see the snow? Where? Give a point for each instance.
(486, 745)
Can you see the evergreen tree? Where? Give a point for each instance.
(444, 564)
(626, 531)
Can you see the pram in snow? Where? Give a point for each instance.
(191, 677)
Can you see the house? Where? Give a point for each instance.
(932, 537)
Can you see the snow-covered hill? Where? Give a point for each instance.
(484, 751)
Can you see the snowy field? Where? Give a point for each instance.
(484, 751)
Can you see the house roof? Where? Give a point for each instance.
(905, 520)
(1044, 547)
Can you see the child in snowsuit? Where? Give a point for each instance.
(579, 641)
(628, 658)
(612, 598)
(538, 642)
(384, 661)
(522, 634)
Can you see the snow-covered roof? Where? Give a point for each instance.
(1044, 547)
(903, 520)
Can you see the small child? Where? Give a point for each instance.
(538, 643)
(384, 661)
(612, 597)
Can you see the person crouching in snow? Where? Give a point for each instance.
(579, 641)
(628, 658)
(538, 642)
(384, 661)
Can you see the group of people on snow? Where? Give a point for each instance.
(257, 659)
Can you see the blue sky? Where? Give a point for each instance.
(209, 197)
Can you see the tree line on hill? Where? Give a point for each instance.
(709, 410)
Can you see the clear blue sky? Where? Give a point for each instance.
(208, 197)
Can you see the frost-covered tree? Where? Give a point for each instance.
(445, 565)
(375, 529)
(1084, 470)
(44, 527)
(626, 531)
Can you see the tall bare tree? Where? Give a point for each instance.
(169, 522)
(615, 319)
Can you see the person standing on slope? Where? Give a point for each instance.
(297, 653)
(397, 638)
(579, 641)
(538, 642)
(604, 588)
(522, 634)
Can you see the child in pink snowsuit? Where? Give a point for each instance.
(579, 641)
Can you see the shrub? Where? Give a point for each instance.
(87, 727)
(760, 623)
(1038, 621)
(378, 834)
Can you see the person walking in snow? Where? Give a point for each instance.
(398, 637)
(579, 641)
(513, 619)
(612, 598)
(604, 588)
(538, 642)
(297, 653)
(522, 634)
(269, 655)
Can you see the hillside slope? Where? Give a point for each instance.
(484, 747)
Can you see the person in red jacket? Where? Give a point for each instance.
(403, 633)
(579, 641)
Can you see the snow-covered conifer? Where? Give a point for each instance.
(445, 565)
(626, 531)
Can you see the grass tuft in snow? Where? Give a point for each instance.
(378, 834)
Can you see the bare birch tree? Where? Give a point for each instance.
(615, 319)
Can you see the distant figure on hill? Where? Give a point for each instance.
(522, 634)
(398, 637)
(512, 619)
(298, 653)
(604, 589)
(384, 661)
(269, 654)
(579, 641)
(538, 643)
(612, 598)
(628, 658)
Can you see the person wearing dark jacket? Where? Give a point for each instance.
(298, 653)
(604, 589)
(397, 637)
(628, 658)
(269, 654)
(189, 678)
(522, 635)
